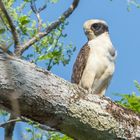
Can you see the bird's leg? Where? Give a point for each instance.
(102, 84)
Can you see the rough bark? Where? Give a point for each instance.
(41, 96)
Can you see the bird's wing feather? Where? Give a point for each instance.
(80, 64)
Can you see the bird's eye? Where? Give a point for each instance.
(96, 26)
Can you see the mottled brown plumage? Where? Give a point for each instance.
(80, 64)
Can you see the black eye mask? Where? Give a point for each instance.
(96, 26)
(99, 28)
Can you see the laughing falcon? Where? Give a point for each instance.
(95, 63)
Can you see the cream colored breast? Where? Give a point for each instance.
(101, 44)
(98, 60)
(100, 50)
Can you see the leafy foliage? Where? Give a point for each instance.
(35, 133)
(131, 101)
(132, 2)
(50, 50)
(57, 136)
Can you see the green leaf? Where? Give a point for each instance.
(38, 136)
(24, 20)
(45, 57)
(137, 85)
(2, 30)
(28, 130)
(131, 101)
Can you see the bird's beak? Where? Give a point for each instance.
(86, 32)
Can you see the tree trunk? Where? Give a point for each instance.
(43, 97)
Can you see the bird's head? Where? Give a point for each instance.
(94, 28)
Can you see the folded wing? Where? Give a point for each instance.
(80, 64)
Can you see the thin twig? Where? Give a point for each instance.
(52, 26)
(39, 21)
(12, 27)
(37, 13)
(10, 121)
(43, 127)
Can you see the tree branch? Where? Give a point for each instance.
(10, 121)
(5, 49)
(37, 13)
(52, 101)
(9, 128)
(12, 27)
(43, 127)
(54, 25)
(4, 23)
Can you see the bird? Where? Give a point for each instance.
(95, 63)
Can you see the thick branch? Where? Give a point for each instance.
(54, 25)
(52, 101)
(12, 27)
